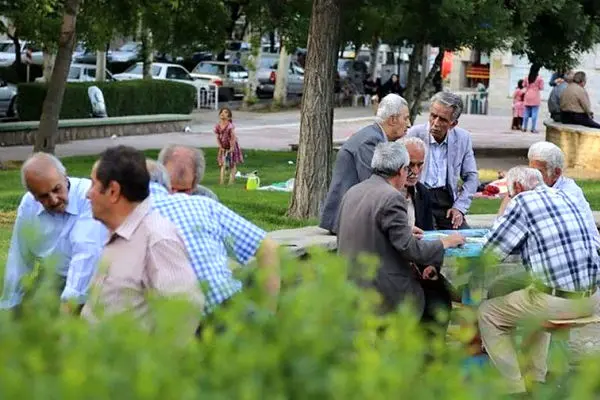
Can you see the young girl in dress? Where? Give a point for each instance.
(229, 155)
(518, 106)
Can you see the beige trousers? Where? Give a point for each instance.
(498, 317)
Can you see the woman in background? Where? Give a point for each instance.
(534, 85)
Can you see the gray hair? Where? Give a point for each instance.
(451, 100)
(549, 153)
(579, 77)
(390, 106)
(530, 178)
(389, 158)
(46, 159)
(408, 140)
(158, 174)
(167, 154)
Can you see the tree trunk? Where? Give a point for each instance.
(147, 52)
(373, 63)
(415, 106)
(49, 60)
(253, 64)
(413, 79)
(283, 67)
(313, 167)
(17, 44)
(45, 139)
(100, 66)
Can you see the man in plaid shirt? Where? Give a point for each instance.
(549, 230)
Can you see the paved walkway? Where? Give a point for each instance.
(276, 131)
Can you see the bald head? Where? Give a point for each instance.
(45, 177)
(185, 166)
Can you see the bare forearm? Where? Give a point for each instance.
(269, 265)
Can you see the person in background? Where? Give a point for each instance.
(449, 158)
(560, 84)
(186, 166)
(392, 86)
(518, 107)
(145, 255)
(575, 106)
(353, 160)
(533, 84)
(54, 225)
(229, 155)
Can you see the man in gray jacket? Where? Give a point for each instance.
(353, 162)
(449, 158)
(373, 219)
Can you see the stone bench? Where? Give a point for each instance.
(23, 132)
(580, 144)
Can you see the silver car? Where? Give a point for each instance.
(8, 99)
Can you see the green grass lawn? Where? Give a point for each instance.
(266, 209)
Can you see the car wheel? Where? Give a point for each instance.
(12, 108)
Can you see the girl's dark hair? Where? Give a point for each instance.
(228, 112)
(520, 84)
(533, 73)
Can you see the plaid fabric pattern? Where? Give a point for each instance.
(554, 239)
(211, 233)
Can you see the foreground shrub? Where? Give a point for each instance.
(135, 97)
(322, 343)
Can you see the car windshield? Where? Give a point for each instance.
(129, 47)
(138, 69)
(7, 47)
(208, 68)
(74, 73)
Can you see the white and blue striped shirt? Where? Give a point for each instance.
(71, 241)
(211, 233)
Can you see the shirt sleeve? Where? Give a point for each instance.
(88, 237)
(240, 236)
(19, 261)
(509, 231)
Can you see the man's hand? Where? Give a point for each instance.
(66, 308)
(456, 217)
(417, 232)
(454, 240)
(430, 273)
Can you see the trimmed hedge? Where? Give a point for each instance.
(135, 97)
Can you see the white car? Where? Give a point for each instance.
(7, 53)
(8, 99)
(171, 72)
(85, 73)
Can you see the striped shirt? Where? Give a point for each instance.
(549, 229)
(145, 255)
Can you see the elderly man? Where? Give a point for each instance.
(353, 162)
(548, 228)
(560, 84)
(186, 167)
(450, 157)
(374, 220)
(211, 233)
(55, 224)
(145, 255)
(575, 106)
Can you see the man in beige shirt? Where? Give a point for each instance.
(575, 107)
(144, 255)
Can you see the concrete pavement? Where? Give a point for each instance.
(276, 131)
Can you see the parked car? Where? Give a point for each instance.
(267, 76)
(85, 73)
(8, 99)
(355, 70)
(7, 53)
(171, 72)
(230, 78)
(128, 53)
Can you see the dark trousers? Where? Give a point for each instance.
(582, 119)
(441, 202)
(438, 304)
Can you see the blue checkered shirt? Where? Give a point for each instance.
(211, 233)
(549, 230)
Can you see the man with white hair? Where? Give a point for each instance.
(548, 228)
(54, 224)
(549, 159)
(353, 161)
(373, 219)
(450, 157)
(212, 233)
(186, 166)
